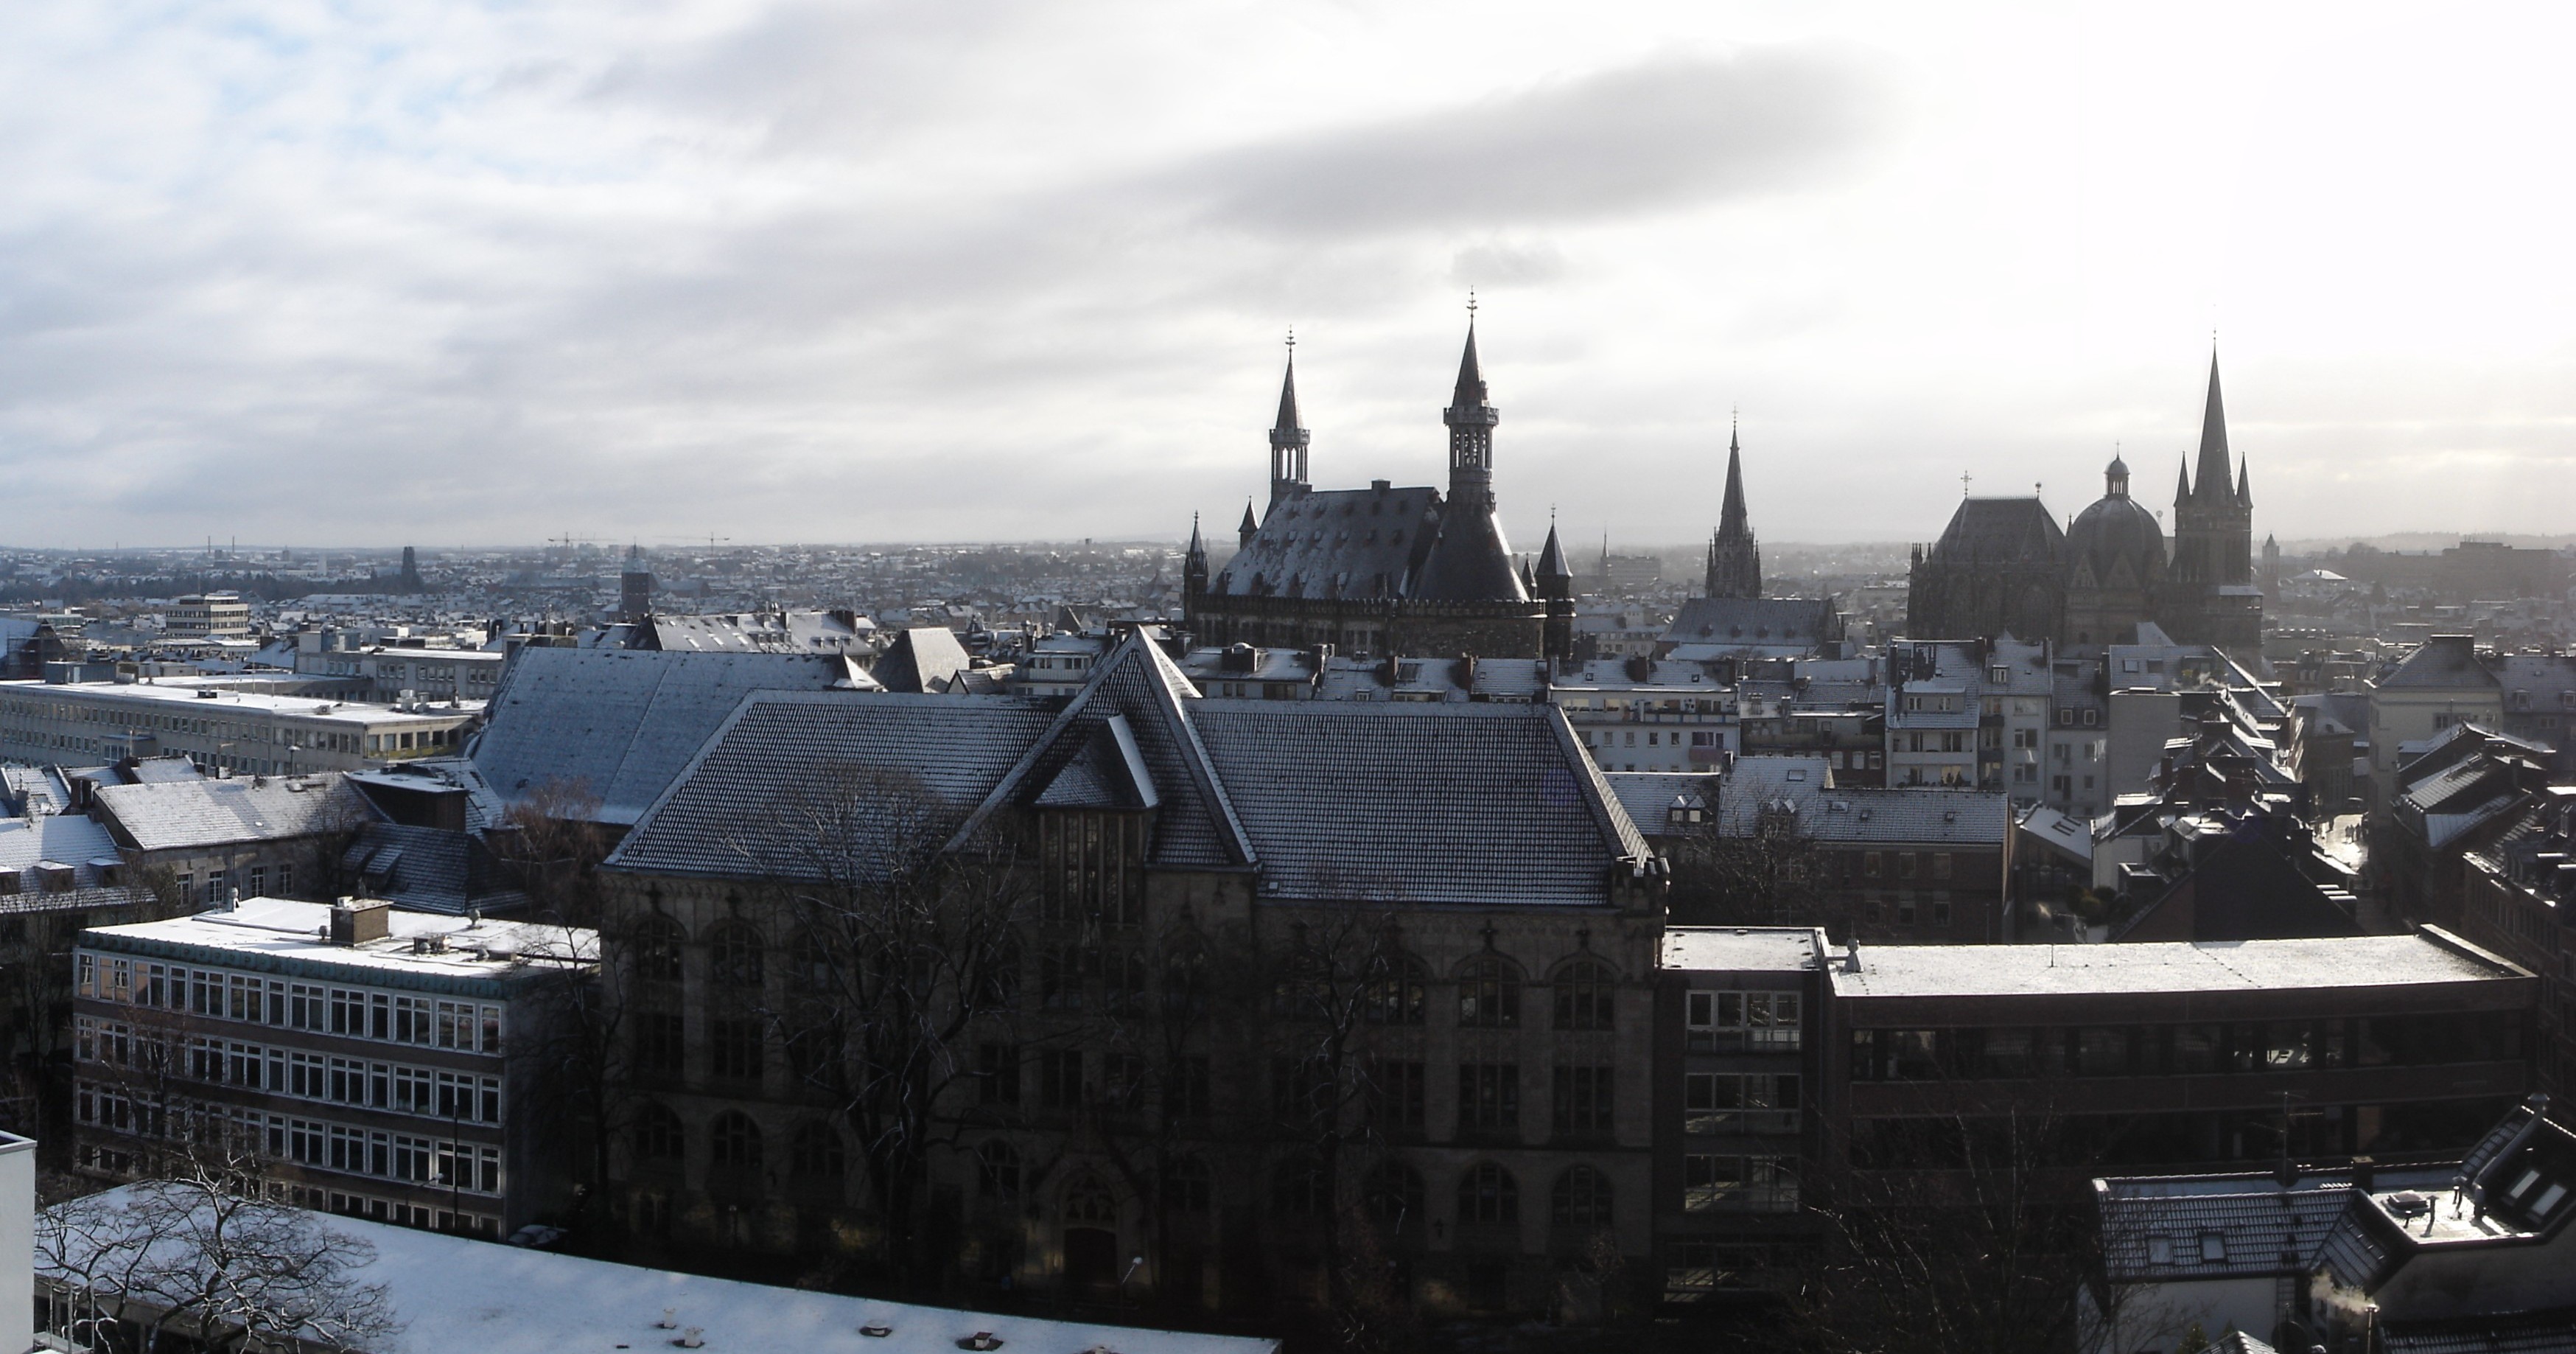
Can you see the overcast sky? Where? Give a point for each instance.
(330, 273)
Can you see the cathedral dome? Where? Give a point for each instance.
(2117, 529)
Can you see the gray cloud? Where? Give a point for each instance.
(1672, 132)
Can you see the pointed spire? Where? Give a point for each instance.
(1288, 422)
(1197, 546)
(1732, 519)
(2182, 484)
(1251, 526)
(2211, 470)
(1734, 560)
(1288, 436)
(1471, 379)
(1551, 557)
(2244, 494)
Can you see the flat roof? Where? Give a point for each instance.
(279, 928)
(2163, 966)
(1739, 949)
(454, 1293)
(227, 698)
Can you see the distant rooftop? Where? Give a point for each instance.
(1740, 949)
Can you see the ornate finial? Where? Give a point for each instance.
(2035, 487)
(1471, 306)
(1292, 343)
(1964, 477)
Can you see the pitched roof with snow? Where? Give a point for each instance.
(622, 723)
(204, 811)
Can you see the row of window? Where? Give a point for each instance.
(467, 1027)
(1582, 1099)
(1396, 992)
(1740, 1102)
(306, 1142)
(456, 1096)
(2153, 1050)
(1728, 1183)
(1733, 1022)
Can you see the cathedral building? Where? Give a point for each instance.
(1383, 570)
(1734, 560)
(2002, 566)
(1731, 618)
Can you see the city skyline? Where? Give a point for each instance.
(789, 274)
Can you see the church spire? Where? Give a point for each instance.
(1288, 435)
(1734, 559)
(2211, 472)
(1194, 562)
(1471, 419)
(1251, 525)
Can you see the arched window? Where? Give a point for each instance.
(1489, 993)
(997, 1163)
(1396, 984)
(812, 969)
(737, 1139)
(656, 946)
(733, 955)
(1487, 1193)
(1185, 981)
(1581, 1199)
(1393, 1195)
(817, 1152)
(1189, 1184)
(1297, 1188)
(1585, 989)
(1089, 1202)
(657, 1135)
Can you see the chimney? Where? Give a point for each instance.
(356, 921)
(2365, 1173)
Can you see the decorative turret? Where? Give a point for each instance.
(1194, 562)
(1734, 558)
(1248, 529)
(635, 588)
(2115, 479)
(1288, 437)
(1471, 419)
(1554, 584)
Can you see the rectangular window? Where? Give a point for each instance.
(659, 1042)
(1582, 1102)
(734, 1046)
(1395, 1093)
(1060, 1079)
(1489, 1097)
(1186, 1089)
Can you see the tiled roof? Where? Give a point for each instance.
(1648, 796)
(622, 723)
(58, 838)
(427, 869)
(790, 785)
(1733, 621)
(1370, 542)
(2444, 661)
(175, 815)
(922, 658)
(1474, 804)
(2545, 1332)
(2154, 1230)
(2000, 530)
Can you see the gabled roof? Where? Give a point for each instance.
(176, 815)
(1194, 824)
(2000, 530)
(58, 839)
(427, 869)
(623, 723)
(1802, 622)
(2444, 661)
(922, 658)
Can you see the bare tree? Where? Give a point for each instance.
(200, 1260)
(552, 842)
(1772, 875)
(902, 949)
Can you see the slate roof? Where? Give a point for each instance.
(1471, 562)
(2264, 1229)
(426, 869)
(1371, 542)
(623, 723)
(922, 658)
(2001, 530)
(788, 769)
(1470, 804)
(59, 839)
(2545, 1332)
(1915, 815)
(1647, 796)
(179, 815)
(1195, 825)
(1734, 621)
(2444, 661)
(794, 632)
